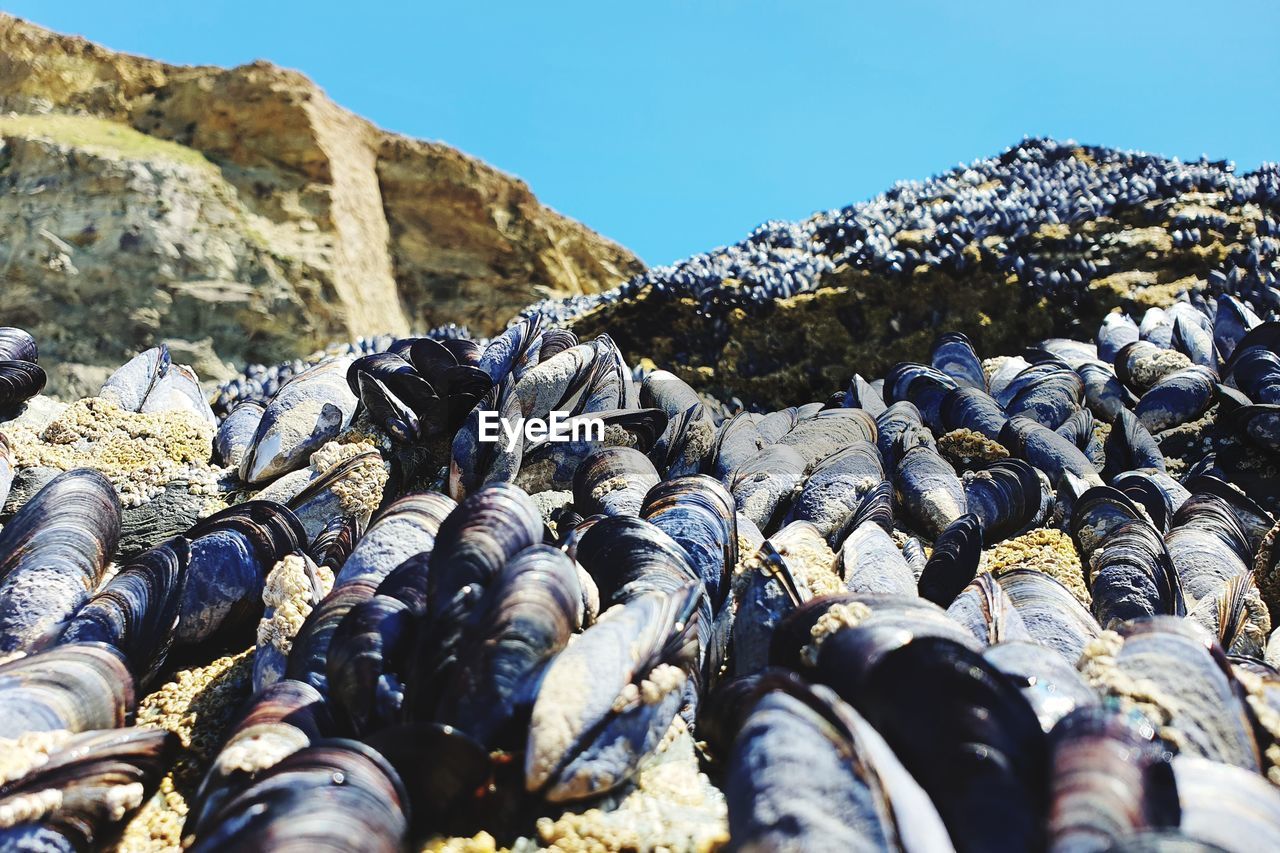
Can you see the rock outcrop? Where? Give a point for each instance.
(241, 215)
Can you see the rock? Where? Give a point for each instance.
(241, 215)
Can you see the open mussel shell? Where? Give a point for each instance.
(76, 687)
(332, 795)
(100, 778)
(231, 553)
(1110, 779)
(306, 413)
(406, 527)
(613, 481)
(525, 620)
(698, 513)
(807, 772)
(137, 610)
(53, 554)
(1050, 612)
(588, 735)
(1176, 674)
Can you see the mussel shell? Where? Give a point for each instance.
(1050, 612)
(1006, 497)
(954, 561)
(1226, 807)
(367, 662)
(1117, 329)
(927, 488)
(1053, 687)
(137, 610)
(235, 436)
(972, 409)
(890, 426)
(308, 659)
(863, 395)
(871, 562)
(308, 411)
(100, 777)
(953, 354)
(698, 513)
(405, 527)
(613, 481)
(231, 553)
(76, 687)
(986, 610)
(586, 742)
(1110, 779)
(281, 719)
(1104, 393)
(1182, 666)
(762, 486)
(332, 795)
(1048, 451)
(1178, 398)
(836, 485)
(134, 381)
(967, 735)
(525, 620)
(53, 553)
(17, 345)
(807, 772)
(1132, 576)
(19, 382)
(1053, 397)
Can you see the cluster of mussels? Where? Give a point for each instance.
(997, 203)
(1018, 604)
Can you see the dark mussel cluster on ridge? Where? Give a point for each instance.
(987, 601)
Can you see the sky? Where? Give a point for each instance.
(675, 127)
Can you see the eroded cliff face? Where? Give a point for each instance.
(241, 215)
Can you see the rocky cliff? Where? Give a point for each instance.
(241, 215)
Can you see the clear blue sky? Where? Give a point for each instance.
(674, 127)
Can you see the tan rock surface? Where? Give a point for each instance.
(244, 215)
